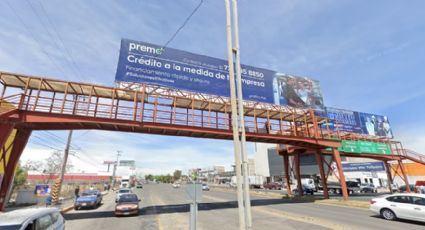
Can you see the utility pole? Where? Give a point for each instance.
(235, 126)
(65, 160)
(115, 169)
(236, 51)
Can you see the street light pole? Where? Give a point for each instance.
(115, 169)
(241, 113)
(233, 102)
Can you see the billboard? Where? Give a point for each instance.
(297, 91)
(364, 167)
(356, 122)
(127, 163)
(142, 62)
(41, 189)
(375, 125)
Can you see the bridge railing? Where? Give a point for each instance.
(158, 109)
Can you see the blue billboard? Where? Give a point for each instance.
(141, 62)
(363, 167)
(356, 122)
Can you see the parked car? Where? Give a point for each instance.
(272, 185)
(127, 204)
(402, 188)
(205, 187)
(139, 185)
(32, 218)
(88, 198)
(121, 192)
(403, 205)
(368, 188)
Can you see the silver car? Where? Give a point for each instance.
(32, 218)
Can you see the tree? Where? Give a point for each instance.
(53, 165)
(149, 177)
(177, 174)
(20, 177)
(32, 165)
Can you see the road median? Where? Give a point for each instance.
(337, 202)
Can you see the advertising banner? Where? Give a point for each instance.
(343, 120)
(375, 125)
(42, 189)
(141, 62)
(363, 167)
(364, 147)
(356, 122)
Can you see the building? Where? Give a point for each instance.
(209, 173)
(363, 170)
(414, 172)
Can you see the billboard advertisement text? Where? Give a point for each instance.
(141, 62)
(364, 167)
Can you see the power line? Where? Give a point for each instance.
(41, 144)
(46, 29)
(59, 139)
(61, 40)
(34, 38)
(184, 24)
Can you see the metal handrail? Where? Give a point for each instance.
(152, 111)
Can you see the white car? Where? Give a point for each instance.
(122, 191)
(205, 187)
(410, 206)
(32, 218)
(176, 185)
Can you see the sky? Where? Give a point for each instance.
(367, 55)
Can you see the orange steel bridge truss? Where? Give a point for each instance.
(35, 103)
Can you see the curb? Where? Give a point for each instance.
(67, 209)
(335, 202)
(258, 193)
(348, 203)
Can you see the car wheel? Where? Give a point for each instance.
(388, 214)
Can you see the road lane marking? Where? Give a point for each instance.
(291, 216)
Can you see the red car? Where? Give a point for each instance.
(273, 185)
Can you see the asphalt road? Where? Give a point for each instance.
(164, 207)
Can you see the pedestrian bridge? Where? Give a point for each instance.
(36, 103)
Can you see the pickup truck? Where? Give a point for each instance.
(352, 187)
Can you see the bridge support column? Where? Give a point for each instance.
(298, 173)
(323, 176)
(5, 130)
(403, 172)
(389, 176)
(337, 158)
(18, 145)
(286, 172)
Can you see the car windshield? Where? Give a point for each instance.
(124, 191)
(128, 198)
(89, 192)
